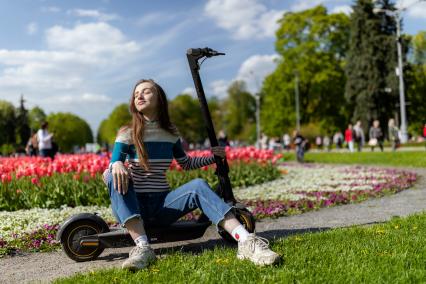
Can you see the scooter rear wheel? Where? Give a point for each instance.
(70, 240)
(246, 219)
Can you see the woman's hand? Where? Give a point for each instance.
(219, 151)
(120, 177)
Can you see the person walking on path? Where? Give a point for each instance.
(376, 136)
(349, 137)
(141, 195)
(300, 142)
(359, 135)
(393, 134)
(287, 142)
(338, 139)
(45, 141)
(424, 133)
(32, 145)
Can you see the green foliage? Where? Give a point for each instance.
(371, 63)
(22, 129)
(109, 127)
(393, 252)
(36, 117)
(397, 159)
(69, 130)
(313, 45)
(82, 189)
(185, 113)
(415, 78)
(240, 108)
(7, 123)
(419, 48)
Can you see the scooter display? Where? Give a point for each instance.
(84, 236)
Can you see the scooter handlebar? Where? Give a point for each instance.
(200, 52)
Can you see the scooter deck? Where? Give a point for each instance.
(179, 231)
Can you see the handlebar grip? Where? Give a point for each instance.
(203, 52)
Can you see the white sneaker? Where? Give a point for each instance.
(256, 249)
(139, 258)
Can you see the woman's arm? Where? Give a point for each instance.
(187, 162)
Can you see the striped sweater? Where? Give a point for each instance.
(161, 147)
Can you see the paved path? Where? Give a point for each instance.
(43, 267)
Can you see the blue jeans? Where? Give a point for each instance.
(165, 208)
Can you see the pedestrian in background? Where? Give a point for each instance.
(45, 141)
(359, 135)
(287, 142)
(222, 139)
(349, 137)
(338, 139)
(327, 143)
(424, 133)
(393, 134)
(300, 142)
(32, 145)
(376, 136)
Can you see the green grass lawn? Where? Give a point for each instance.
(393, 252)
(402, 159)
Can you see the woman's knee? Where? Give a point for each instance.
(200, 184)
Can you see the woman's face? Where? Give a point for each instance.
(145, 98)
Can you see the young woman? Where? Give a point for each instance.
(141, 195)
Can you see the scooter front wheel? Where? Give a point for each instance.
(246, 219)
(70, 240)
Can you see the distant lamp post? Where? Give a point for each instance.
(399, 70)
(296, 94)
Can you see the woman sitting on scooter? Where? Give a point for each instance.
(141, 195)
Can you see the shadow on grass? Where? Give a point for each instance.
(198, 247)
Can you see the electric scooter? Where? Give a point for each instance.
(84, 236)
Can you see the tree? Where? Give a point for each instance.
(36, 117)
(415, 77)
(7, 123)
(419, 48)
(108, 128)
(313, 46)
(69, 130)
(372, 87)
(22, 129)
(240, 112)
(185, 113)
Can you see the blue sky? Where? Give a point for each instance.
(84, 56)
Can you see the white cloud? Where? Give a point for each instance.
(245, 19)
(189, 91)
(50, 9)
(415, 8)
(95, 14)
(219, 88)
(83, 98)
(346, 9)
(92, 38)
(32, 28)
(255, 69)
(80, 63)
(305, 4)
(252, 71)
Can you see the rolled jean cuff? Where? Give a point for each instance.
(217, 222)
(130, 217)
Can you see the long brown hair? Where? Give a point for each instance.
(138, 123)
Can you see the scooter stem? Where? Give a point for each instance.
(193, 55)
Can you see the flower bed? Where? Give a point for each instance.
(310, 187)
(299, 189)
(75, 180)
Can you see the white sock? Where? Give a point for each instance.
(240, 233)
(142, 240)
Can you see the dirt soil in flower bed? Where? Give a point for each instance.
(44, 267)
